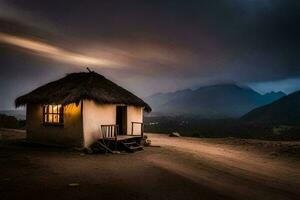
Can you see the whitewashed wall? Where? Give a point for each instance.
(70, 134)
(80, 128)
(134, 114)
(95, 115)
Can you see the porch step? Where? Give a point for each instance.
(136, 148)
(131, 146)
(130, 143)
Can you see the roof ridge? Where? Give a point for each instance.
(81, 85)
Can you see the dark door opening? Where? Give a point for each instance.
(122, 119)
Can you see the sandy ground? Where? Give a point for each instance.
(180, 168)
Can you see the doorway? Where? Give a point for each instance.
(121, 119)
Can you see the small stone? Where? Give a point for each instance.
(147, 143)
(174, 134)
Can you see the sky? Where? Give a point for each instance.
(150, 46)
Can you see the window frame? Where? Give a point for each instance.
(59, 113)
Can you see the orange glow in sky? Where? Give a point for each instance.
(51, 51)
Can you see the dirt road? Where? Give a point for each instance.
(230, 170)
(181, 168)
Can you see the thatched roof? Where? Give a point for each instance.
(79, 86)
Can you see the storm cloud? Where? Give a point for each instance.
(157, 46)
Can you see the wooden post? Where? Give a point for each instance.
(142, 130)
(116, 136)
(109, 131)
(132, 128)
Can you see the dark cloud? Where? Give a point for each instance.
(159, 45)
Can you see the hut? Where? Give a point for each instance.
(80, 109)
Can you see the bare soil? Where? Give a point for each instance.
(173, 168)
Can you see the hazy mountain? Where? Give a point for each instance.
(271, 96)
(19, 114)
(217, 101)
(283, 111)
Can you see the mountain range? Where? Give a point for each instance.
(283, 111)
(216, 101)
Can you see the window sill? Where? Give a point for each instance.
(53, 124)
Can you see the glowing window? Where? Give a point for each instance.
(53, 114)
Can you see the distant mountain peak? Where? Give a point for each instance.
(272, 92)
(285, 110)
(219, 100)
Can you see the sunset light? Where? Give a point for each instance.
(54, 52)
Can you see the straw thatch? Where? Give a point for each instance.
(79, 86)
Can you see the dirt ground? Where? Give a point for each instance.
(173, 168)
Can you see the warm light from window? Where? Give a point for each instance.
(53, 114)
